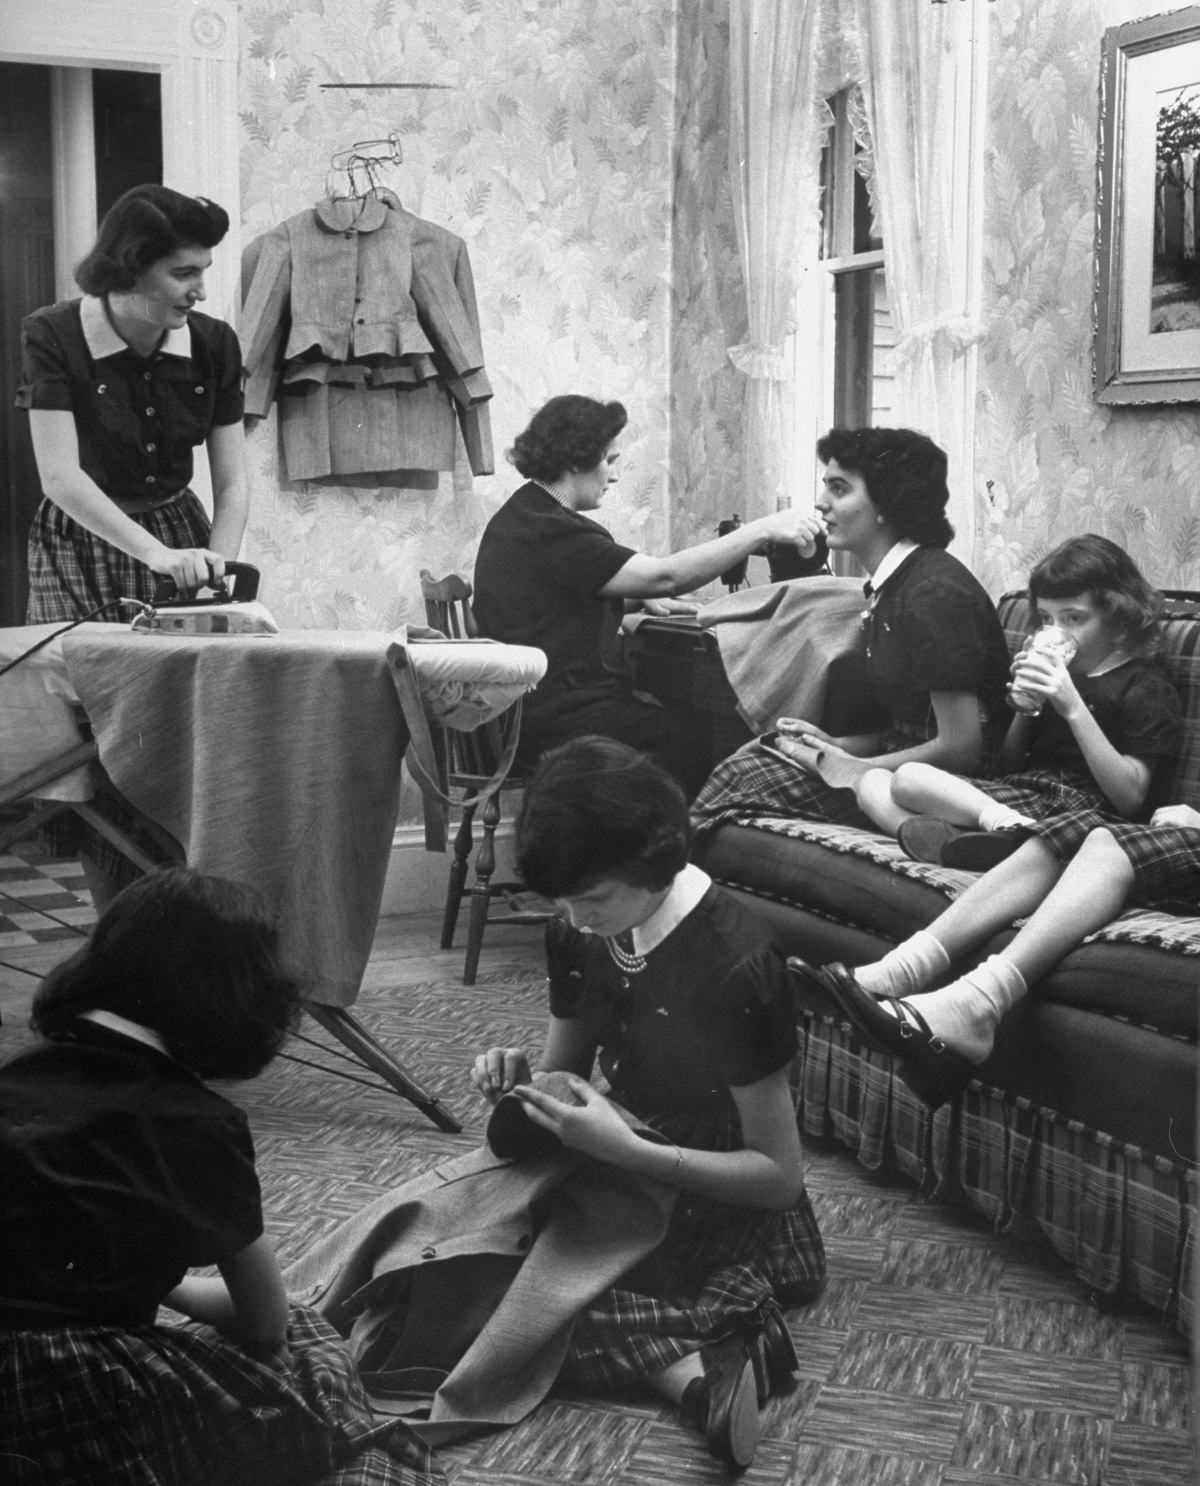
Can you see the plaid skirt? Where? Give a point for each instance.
(1165, 859)
(1041, 793)
(72, 571)
(719, 1270)
(182, 1406)
(754, 782)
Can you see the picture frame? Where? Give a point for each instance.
(1147, 299)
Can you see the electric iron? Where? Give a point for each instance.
(227, 612)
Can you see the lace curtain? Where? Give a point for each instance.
(777, 126)
(786, 58)
(907, 69)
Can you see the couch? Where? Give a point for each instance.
(1083, 1120)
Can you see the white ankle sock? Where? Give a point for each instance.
(966, 1013)
(996, 817)
(907, 968)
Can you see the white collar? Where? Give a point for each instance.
(685, 892)
(892, 559)
(126, 1028)
(102, 340)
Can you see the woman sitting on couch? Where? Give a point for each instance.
(933, 646)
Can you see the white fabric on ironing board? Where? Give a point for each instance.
(777, 641)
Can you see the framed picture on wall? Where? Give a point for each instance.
(1147, 346)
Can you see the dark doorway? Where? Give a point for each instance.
(127, 117)
(26, 281)
(127, 107)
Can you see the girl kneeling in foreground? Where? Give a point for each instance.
(120, 1170)
(684, 996)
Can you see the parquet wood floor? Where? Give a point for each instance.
(940, 1354)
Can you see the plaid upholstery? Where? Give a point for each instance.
(1122, 1219)
(181, 1406)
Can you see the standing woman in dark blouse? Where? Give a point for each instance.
(120, 387)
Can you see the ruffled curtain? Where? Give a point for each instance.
(907, 67)
(777, 124)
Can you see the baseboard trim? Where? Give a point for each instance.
(416, 878)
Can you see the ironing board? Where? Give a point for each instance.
(272, 760)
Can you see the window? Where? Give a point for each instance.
(859, 370)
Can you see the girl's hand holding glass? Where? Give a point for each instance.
(1040, 678)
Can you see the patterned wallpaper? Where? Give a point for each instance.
(549, 151)
(1050, 461)
(580, 149)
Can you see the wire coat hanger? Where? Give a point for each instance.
(362, 164)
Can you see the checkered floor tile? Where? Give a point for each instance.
(41, 900)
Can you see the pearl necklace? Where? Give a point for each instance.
(631, 964)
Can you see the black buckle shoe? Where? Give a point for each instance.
(729, 1400)
(774, 1354)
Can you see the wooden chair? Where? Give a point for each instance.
(471, 762)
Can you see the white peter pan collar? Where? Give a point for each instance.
(685, 892)
(102, 340)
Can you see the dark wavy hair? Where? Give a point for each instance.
(905, 475)
(594, 809)
(144, 225)
(570, 433)
(192, 957)
(1093, 565)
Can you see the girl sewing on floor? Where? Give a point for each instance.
(120, 1171)
(1109, 720)
(1071, 879)
(682, 995)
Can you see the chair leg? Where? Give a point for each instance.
(464, 839)
(481, 891)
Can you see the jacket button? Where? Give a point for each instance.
(149, 412)
(429, 1252)
(199, 391)
(523, 1242)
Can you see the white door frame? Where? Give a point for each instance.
(193, 46)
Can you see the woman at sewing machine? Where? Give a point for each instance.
(550, 576)
(120, 386)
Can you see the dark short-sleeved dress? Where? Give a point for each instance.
(1138, 711)
(712, 1009)
(137, 419)
(119, 1171)
(930, 627)
(537, 578)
